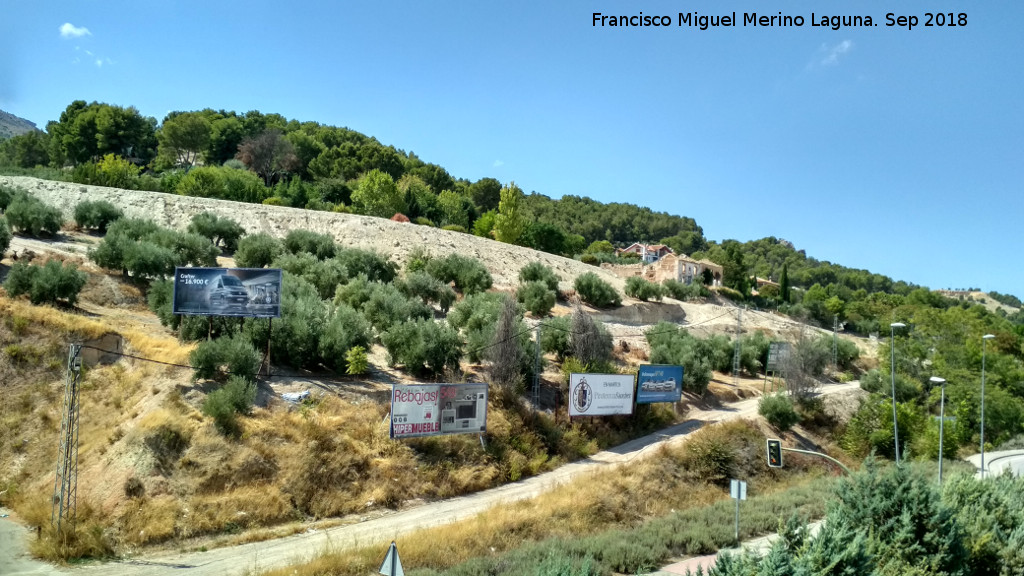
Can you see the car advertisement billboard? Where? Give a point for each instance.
(247, 292)
(433, 409)
(600, 394)
(659, 383)
(778, 353)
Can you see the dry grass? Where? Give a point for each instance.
(622, 497)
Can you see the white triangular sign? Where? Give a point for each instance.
(392, 565)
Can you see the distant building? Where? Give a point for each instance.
(678, 267)
(648, 253)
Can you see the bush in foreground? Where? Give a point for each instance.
(257, 250)
(225, 403)
(641, 289)
(48, 283)
(235, 353)
(536, 297)
(596, 292)
(778, 410)
(468, 274)
(96, 215)
(223, 232)
(30, 215)
(423, 346)
(5, 236)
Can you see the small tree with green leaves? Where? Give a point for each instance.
(227, 402)
(5, 236)
(642, 289)
(234, 353)
(96, 215)
(537, 272)
(536, 297)
(423, 346)
(357, 361)
(596, 292)
(468, 274)
(345, 329)
(257, 250)
(320, 245)
(48, 283)
(778, 410)
(27, 214)
(223, 232)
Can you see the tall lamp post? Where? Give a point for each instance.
(895, 426)
(984, 341)
(942, 418)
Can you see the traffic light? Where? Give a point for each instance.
(775, 453)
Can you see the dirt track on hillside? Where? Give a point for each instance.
(260, 556)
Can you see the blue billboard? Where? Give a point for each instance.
(659, 383)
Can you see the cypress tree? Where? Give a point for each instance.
(784, 283)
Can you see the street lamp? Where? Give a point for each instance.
(895, 427)
(984, 340)
(942, 418)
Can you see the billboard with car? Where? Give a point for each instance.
(659, 383)
(247, 292)
(434, 409)
(600, 394)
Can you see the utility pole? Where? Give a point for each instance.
(65, 485)
(736, 352)
(536, 367)
(835, 346)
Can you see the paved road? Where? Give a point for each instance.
(259, 556)
(14, 558)
(997, 462)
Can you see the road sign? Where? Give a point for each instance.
(774, 453)
(738, 489)
(392, 564)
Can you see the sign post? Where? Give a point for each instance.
(738, 490)
(392, 564)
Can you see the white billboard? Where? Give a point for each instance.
(600, 394)
(432, 409)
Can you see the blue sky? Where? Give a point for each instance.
(895, 150)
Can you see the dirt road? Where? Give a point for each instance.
(271, 554)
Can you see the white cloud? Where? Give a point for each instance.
(498, 163)
(99, 63)
(69, 30)
(832, 55)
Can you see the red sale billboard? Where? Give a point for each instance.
(432, 409)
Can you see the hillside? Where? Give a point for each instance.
(11, 125)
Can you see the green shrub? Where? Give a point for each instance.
(537, 297)
(224, 404)
(684, 292)
(146, 260)
(428, 289)
(117, 172)
(468, 274)
(846, 353)
(417, 260)
(754, 352)
(345, 329)
(374, 266)
(356, 293)
(159, 298)
(388, 306)
(257, 250)
(295, 339)
(537, 272)
(423, 346)
(325, 275)
(236, 353)
(596, 292)
(48, 283)
(454, 228)
(357, 361)
(7, 194)
(5, 236)
(28, 214)
(223, 232)
(96, 215)
(320, 245)
(554, 336)
(641, 289)
(778, 410)
(476, 316)
(671, 344)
